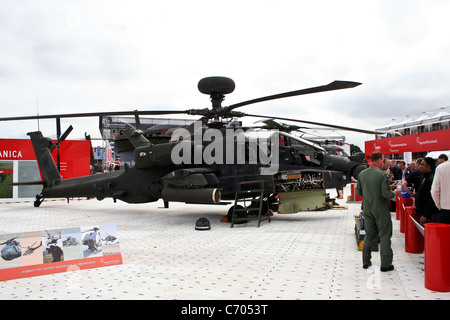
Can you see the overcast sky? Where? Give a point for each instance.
(62, 56)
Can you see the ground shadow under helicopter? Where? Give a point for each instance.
(145, 214)
(215, 217)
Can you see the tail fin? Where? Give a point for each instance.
(47, 166)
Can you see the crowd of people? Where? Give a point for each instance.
(426, 180)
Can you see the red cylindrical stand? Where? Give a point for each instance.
(398, 198)
(437, 257)
(402, 220)
(404, 203)
(353, 194)
(413, 238)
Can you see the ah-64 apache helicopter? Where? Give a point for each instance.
(210, 161)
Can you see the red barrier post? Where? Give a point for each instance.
(414, 241)
(405, 202)
(353, 194)
(437, 257)
(398, 198)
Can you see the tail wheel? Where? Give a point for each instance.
(38, 201)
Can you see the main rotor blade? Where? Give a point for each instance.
(317, 124)
(95, 114)
(335, 85)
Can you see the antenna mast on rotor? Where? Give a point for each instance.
(37, 110)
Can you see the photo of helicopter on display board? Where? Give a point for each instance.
(211, 160)
(12, 249)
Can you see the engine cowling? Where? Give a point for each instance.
(200, 196)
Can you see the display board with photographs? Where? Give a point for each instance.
(49, 251)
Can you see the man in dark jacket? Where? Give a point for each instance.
(373, 186)
(403, 171)
(425, 206)
(394, 168)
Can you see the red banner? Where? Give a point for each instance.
(75, 155)
(75, 158)
(16, 149)
(421, 142)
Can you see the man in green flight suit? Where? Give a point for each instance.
(373, 186)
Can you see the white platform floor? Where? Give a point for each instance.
(310, 255)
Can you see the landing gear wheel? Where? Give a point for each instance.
(38, 201)
(240, 214)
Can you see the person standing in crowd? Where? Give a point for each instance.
(394, 168)
(413, 180)
(442, 158)
(425, 207)
(440, 191)
(385, 168)
(373, 186)
(404, 171)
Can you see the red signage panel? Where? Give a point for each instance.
(75, 155)
(421, 142)
(16, 149)
(75, 158)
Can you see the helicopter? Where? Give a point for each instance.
(92, 239)
(31, 249)
(70, 241)
(109, 238)
(12, 249)
(196, 166)
(52, 239)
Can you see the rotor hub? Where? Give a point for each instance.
(217, 88)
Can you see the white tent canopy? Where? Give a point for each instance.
(435, 154)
